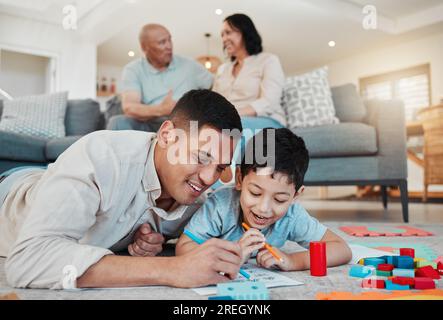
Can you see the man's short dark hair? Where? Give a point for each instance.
(208, 108)
(291, 155)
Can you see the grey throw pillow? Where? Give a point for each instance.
(307, 100)
(38, 116)
(349, 106)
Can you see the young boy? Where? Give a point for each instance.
(264, 198)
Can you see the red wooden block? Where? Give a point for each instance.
(424, 283)
(427, 272)
(404, 281)
(385, 267)
(440, 267)
(373, 283)
(407, 252)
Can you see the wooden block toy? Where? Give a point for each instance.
(409, 273)
(405, 262)
(359, 271)
(440, 268)
(392, 286)
(416, 260)
(374, 261)
(392, 260)
(361, 261)
(424, 283)
(248, 290)
(381, 273)
(404, 281)
(424, 263)
(385, 267)
(407, 252)
(220, 298)
(427, 272)
(373, 283)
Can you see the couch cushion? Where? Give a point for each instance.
(16, 146)
(339, 140)
(55, 147)
(307, 100)
(349, 106)
(82, 117)
(38, 116)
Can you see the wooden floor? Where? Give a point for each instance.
(366, 211)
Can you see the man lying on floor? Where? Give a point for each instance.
(70, 219)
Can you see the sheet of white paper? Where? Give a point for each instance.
(360, 252)
(270, 278)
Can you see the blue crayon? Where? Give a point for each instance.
(197, 240)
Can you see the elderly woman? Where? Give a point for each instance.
(252, 80)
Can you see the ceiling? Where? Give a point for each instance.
(298, 31)
(46, 10)
(397, 9)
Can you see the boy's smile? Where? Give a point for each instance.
(265, 197)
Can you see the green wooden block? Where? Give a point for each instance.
(384, 273)
(424, 263)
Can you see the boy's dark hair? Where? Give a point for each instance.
(208, 108)
(250, 35)
(291, 155)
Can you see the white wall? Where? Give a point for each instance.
(425, 50)
(76, 58)
(22, 74)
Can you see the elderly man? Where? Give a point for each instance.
(60, 227)
(151, 85)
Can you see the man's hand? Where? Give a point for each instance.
(146, 242)
(167, 104)
(212, 262)
(251, 240)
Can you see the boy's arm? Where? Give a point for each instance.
(184, 245)
(337, 253)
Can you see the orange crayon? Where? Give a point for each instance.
(267, 246)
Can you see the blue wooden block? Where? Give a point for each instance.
(392, 260)
(405, 262)
(360, 271)
(374, 261)
(248, 290)
(408, 273)
(220, 298)
(393, 286)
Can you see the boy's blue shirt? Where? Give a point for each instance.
(219, 217)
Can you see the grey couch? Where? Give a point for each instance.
(367, 147)
(82, 117)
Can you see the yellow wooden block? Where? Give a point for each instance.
(361, 261)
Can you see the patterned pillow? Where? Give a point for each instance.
(39, 116)
(307, 100)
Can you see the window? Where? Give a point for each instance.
(412, 85)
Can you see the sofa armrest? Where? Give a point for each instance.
(388, 117)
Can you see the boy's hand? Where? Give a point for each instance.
(266, 260)
(146, 242)
(250, 241)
